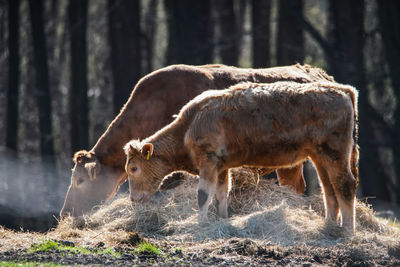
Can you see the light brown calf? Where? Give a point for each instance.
(276, 125)
(98, 173)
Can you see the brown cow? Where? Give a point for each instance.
(98, 173)
(275, 125)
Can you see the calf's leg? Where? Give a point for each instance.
(345, 185)
(206, 191)
(330, 201)
(339, 187)
(221, 194)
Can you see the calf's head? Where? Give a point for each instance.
(145, 170)
(91, 184)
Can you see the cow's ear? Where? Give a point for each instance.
(80, 156)
(147, 150)
(92, 169)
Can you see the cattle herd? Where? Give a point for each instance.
(228, 117)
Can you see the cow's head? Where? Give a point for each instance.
(145, 170)
(91, 184)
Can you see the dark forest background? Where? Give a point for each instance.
(68, 66)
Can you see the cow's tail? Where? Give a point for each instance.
(355, 153)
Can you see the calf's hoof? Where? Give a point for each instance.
(203, 221)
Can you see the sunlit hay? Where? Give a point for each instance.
(13, 240)
(265, 212)
(149, 218)
(86, 236)
(244, 179)
(367, 219)
(244, 187)
(250, 193)
(280, 224)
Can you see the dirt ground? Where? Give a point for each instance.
(268, 225)
(229, 252)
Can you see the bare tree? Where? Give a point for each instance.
(124, 38)
(190, 31)
(260, 24)
(389, 21)
(13, 75)
(78, 98)
(42, 90)
(290, 41)
(229, 29)
(150, 29)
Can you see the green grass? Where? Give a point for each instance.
(27, 264)
(50, 245)
(145, 247)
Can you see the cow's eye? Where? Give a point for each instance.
(133, 169)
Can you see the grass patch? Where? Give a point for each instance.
(51, 245)
(28, 264)
(149, 248)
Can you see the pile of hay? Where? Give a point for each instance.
(259, 209)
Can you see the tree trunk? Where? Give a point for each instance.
(260, 24)
(229, 32)
(346, 64)
(13, 75)
(124, 37)
(389, 22)
(290, 46)
(150, 33)
(190, 32)
(42, 81)
(78, 98)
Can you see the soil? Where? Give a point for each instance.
(232, 251)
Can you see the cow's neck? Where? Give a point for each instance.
(109, 147)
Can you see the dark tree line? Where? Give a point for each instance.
(389, 22)
(137, 37)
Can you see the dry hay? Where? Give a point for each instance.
(259, 209)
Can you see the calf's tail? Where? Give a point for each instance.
(355, 154)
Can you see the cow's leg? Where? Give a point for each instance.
(206, 190)
(292, 177)
(222, 194)
(330, 201)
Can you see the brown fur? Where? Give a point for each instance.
(214, 129)
(154, 100)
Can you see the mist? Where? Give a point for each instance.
(32, 192)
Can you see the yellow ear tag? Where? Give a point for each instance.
(148, 155)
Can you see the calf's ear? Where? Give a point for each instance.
(92, 169)
(147, 150)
